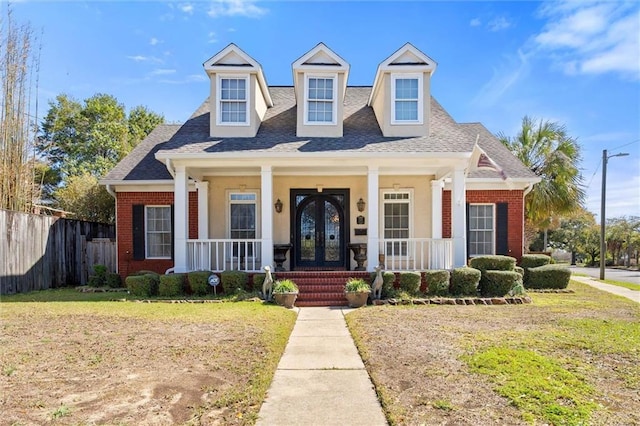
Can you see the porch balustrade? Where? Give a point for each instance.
(224, 255)
(412, 254)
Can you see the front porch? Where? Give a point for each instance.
(396, 254)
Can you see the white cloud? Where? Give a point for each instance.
(516, 68)
(186, 8)
(142, 58)
(246, 8)
(498, 24)
(162, 71)
(475, 22)
(211, 37)
(154, 41)
(592, 38)
(192, 78)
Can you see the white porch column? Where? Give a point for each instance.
(372, 213)
(459, 217)
(266, 199)
(436, 208)
(181, 219)
(203, 210)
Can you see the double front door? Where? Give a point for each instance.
(319, 228)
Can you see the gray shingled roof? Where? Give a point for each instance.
(277, 134)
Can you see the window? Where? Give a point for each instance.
(233, 101)
(396, 208)
(320, 100)
(158, 232)
(481, 229)
(242, 221)
(407, 99)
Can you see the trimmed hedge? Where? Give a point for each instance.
(199, 282)
(143, 285)
(519, 270)
(437, 282)
(171, 285)
(529, 261)
(493, 263)
(113, 280)
(410, 282)
(388, 279)
(498, 283)
(548, 276)
(464, 281)
(233, 281)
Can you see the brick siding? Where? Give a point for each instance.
(124, 226)
(516, 214)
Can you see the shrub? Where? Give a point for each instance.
(233, 281)
(142, 285)
(145, 272)
(113, 280)
(388, 279)
(198, 282)
(498, 283)
(410, 282)
(493, 263)
(548, 276)
(464, 281)
(532, 261)
(519, 270)
(437, 282)
(99, 277)
(285, 286)
(357, 285)
(171, 285)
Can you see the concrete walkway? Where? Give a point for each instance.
(620, 291)
(321, 379)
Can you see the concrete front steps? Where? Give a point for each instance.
(321, 288)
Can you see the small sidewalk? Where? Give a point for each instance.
(321, 379)
(620, 291)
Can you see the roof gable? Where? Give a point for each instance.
(321, 56)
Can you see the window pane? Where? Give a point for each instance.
(406, 110)
(481, 233)
(158, 231)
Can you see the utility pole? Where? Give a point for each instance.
(603, 219)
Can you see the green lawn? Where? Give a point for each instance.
(565, 359)
(630, 286)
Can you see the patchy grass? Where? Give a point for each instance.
(102, 362)
(569, 358)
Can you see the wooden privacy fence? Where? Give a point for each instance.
(41, 252)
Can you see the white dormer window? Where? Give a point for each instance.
(320, 99)
(406, 104)
(233, 100)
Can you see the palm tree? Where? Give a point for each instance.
(546, 149)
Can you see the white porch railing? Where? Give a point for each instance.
(224, 255)
(411, 254)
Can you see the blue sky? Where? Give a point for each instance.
(574, 62)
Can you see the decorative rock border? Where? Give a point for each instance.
(457, 301)
(87, 289)
(550, 290)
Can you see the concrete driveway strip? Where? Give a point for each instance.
(614, 289)
(321, 379)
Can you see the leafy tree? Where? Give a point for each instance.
(572, 234)
(86, 199)
(547, 149)
(623, 239)
(83, 140)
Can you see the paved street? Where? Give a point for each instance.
(610, 274)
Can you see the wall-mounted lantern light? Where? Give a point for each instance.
(278, 206)
(361, 204)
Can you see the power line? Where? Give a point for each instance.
(627, 144)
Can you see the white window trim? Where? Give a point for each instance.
(381, 208)
(146, 231)
(219, 78)
(228, 208)
(334, 109)
(493, 230)
(402, 76)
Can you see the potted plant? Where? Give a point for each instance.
(357, 292)
(285, 293)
